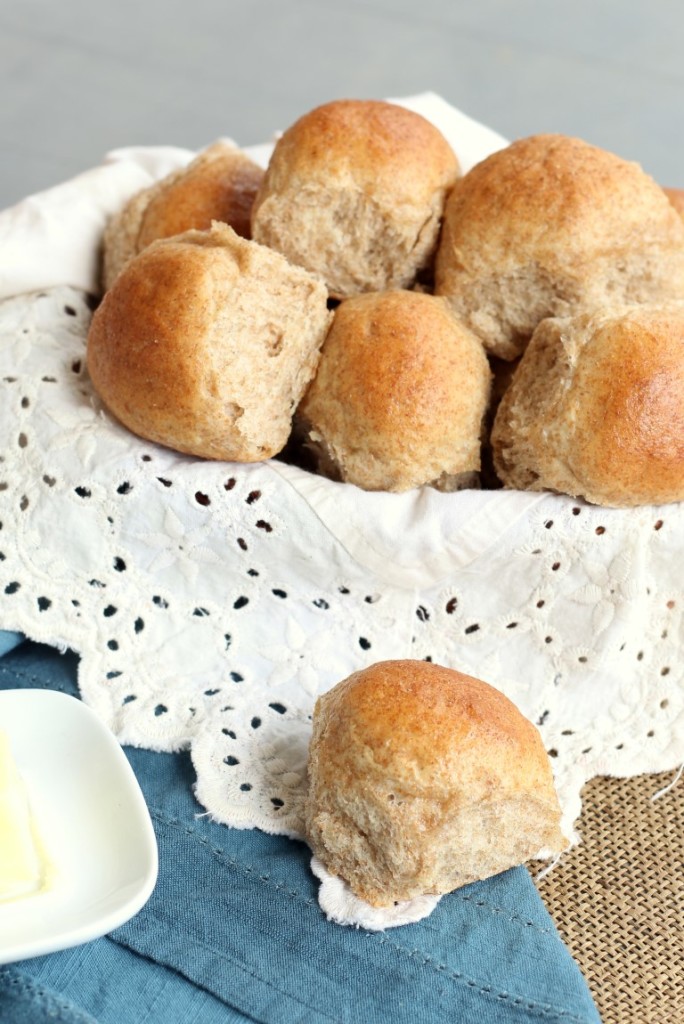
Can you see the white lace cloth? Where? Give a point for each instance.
(211, 602)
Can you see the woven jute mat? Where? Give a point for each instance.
(618, 898)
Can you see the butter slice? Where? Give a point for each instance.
(21, 871)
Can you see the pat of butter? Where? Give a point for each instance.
(21, 869)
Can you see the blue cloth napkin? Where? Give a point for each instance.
(233, 932)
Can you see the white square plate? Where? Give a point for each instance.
(92, 820)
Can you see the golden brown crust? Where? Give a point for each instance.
(361, 143)
(218, 185)
(632, 433)
(400, 392)
(597, 408)
(145, 341)
(423, 779)
(676, 197)
(354, 192)
(422, 724)
(206, 342)
(547, 226)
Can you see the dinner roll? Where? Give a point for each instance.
(422, 779)
(399, 396)
(206, 342)
(355, 192)
(596, 408)
(219, 184)
(548, 225)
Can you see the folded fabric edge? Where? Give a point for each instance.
(428, 555)
(341, 906)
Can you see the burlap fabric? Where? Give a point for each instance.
(618, 898)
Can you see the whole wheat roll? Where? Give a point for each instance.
(399, 396)
(423, 779)
(596, 408)
(354, 192)
(206, 342)
(549, 226)
(218, 185)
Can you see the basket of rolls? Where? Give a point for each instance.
(350, 307)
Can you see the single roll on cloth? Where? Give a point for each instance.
(219, 184)
(355, 191)
(422, 779)
(550, 226)
(596, 408)
(399, 396)
(206, 343)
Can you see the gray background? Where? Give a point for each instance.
(80, 77)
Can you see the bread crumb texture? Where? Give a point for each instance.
(422, 779)
(596, 408)
(206, 343)
(355, 192)
(548, 226)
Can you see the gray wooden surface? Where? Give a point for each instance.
(80, 77)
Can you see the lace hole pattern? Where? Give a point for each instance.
(211, 606)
